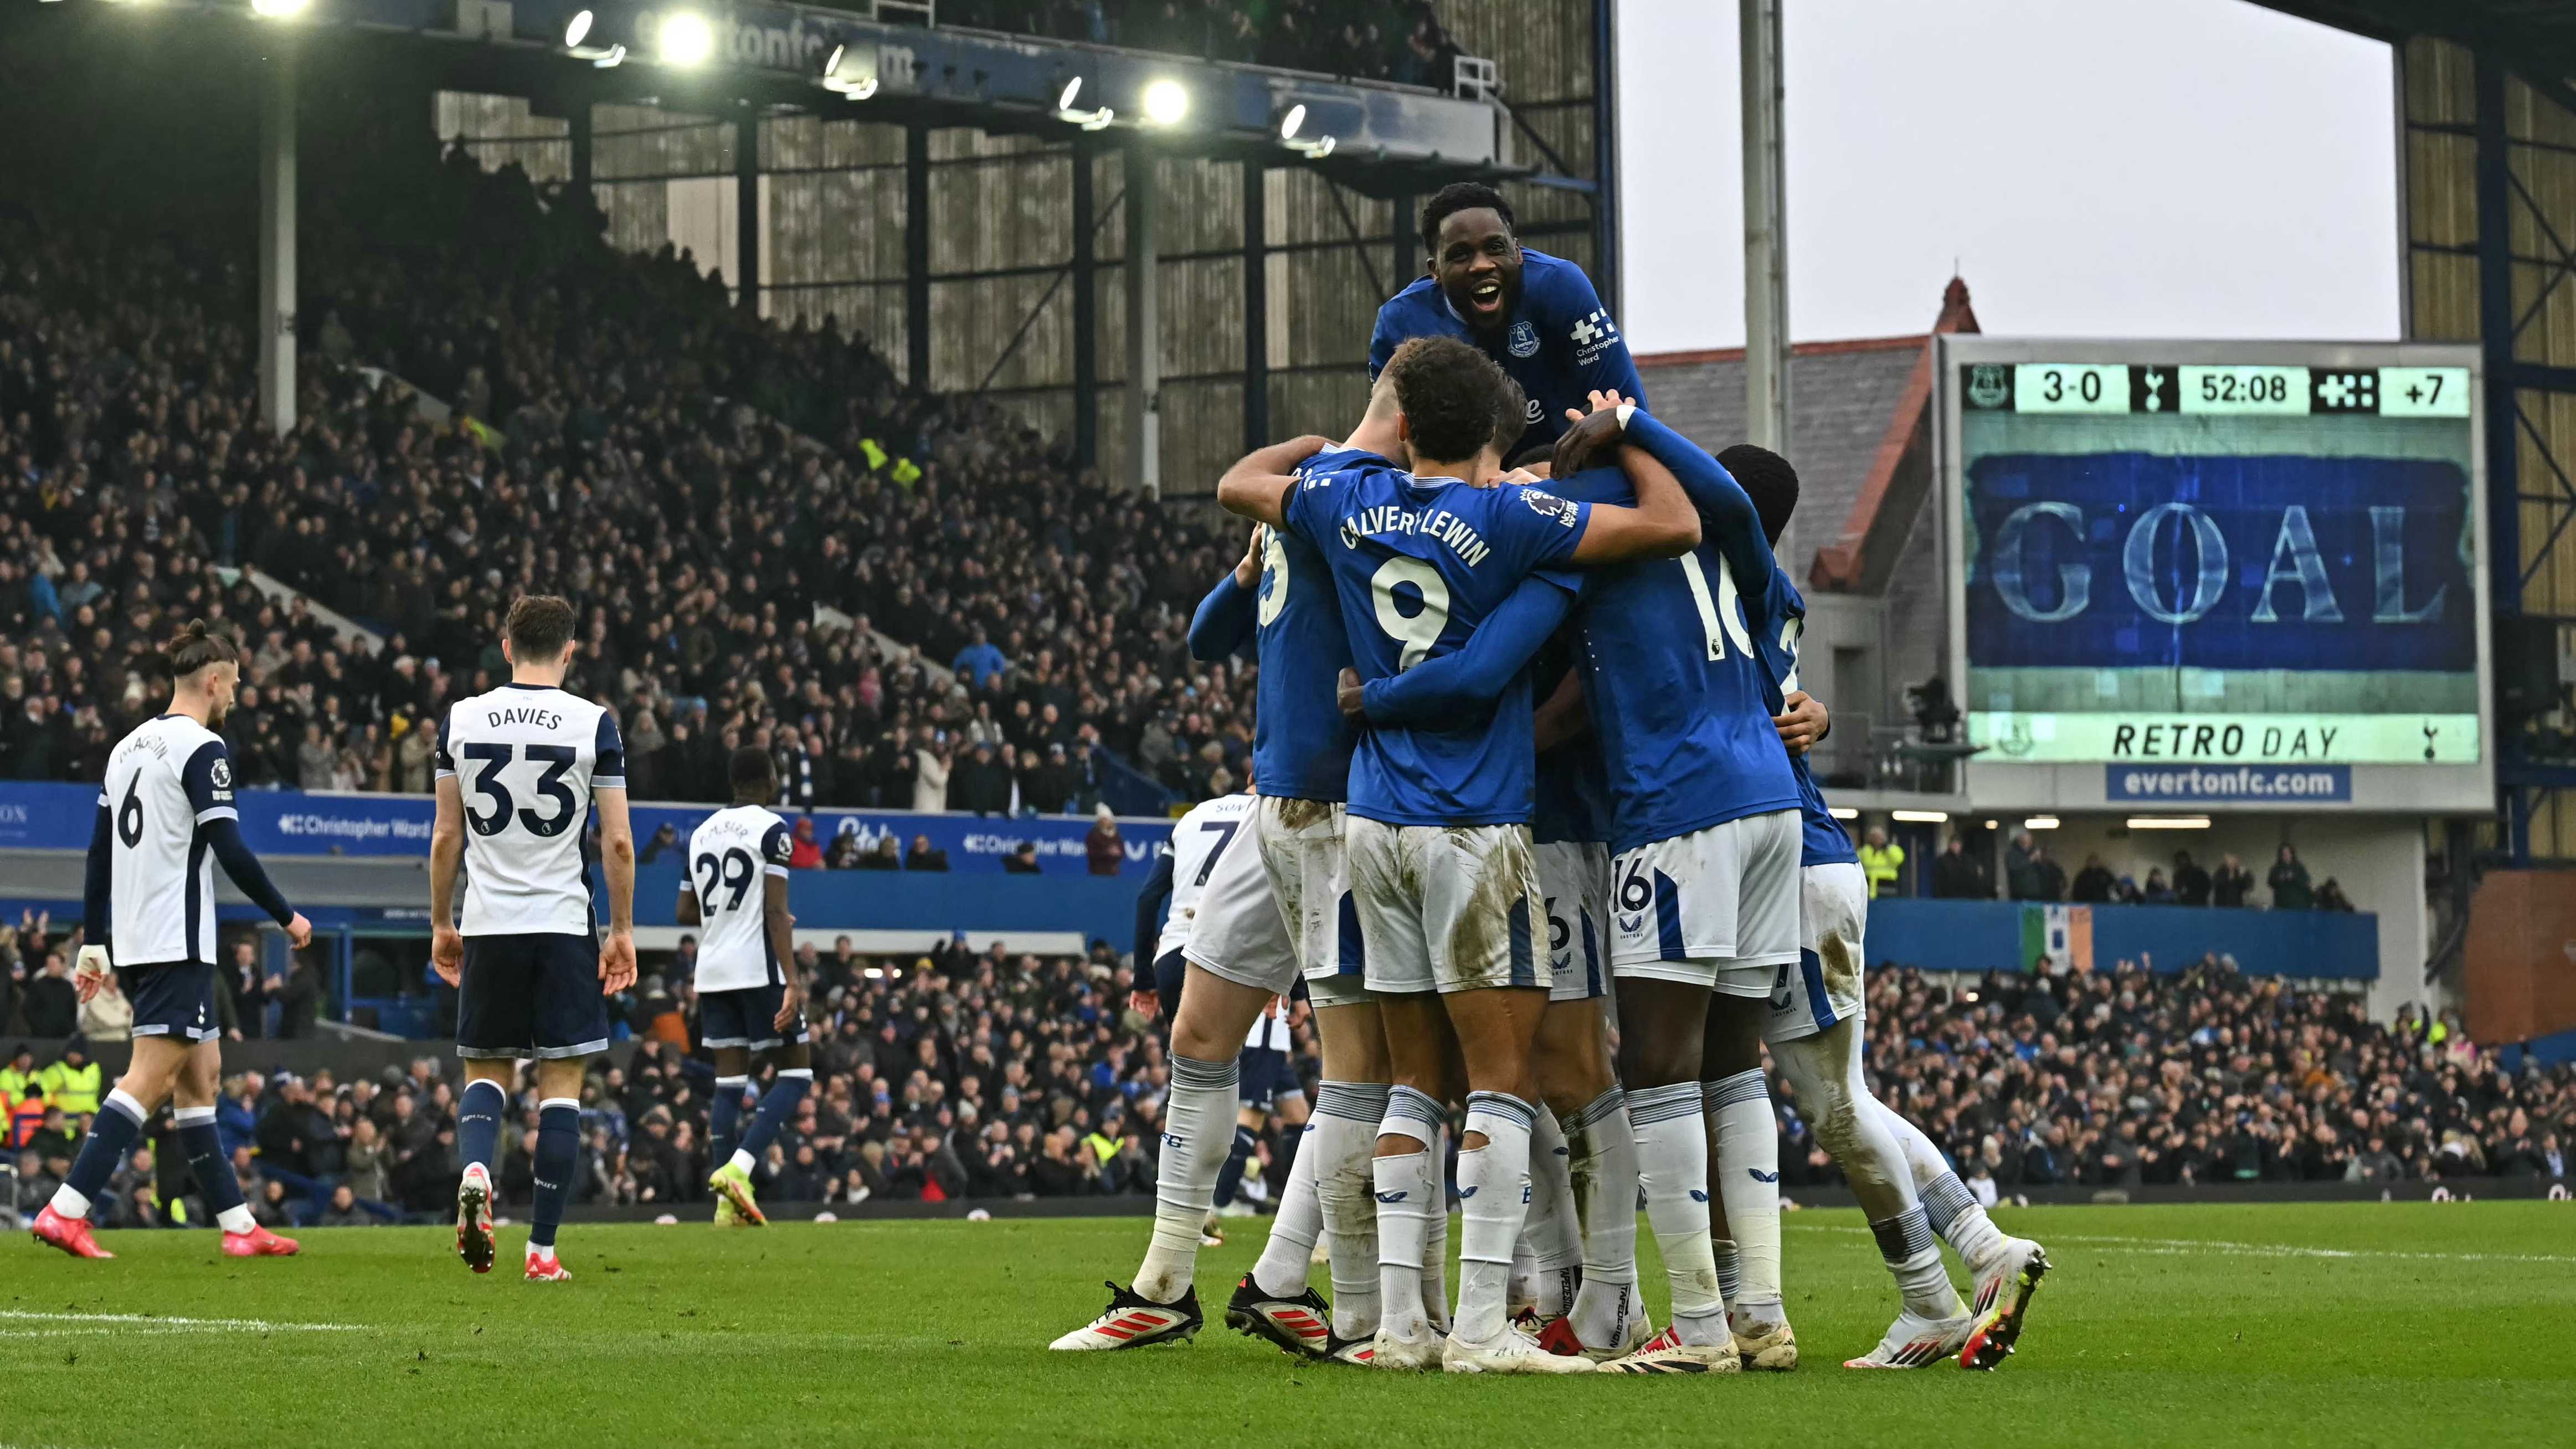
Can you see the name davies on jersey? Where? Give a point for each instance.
(544, 719)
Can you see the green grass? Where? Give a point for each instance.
(2192, 1326)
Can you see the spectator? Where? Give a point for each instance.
(2191, 884)
(981, 784)
(344, 1212)
(368, 1164)
(1105, 851)
(2158, 891)
(1959, 876)
(298, 997)
(2232, 882)
(2330, 896)
(884, 857)
(925, 856)
(2289, 882)
(804, 852)
(50, 1004)
(107, 1016)
(979, 662)
(846, 852)
(2092, 883)
(1880, 861)
(245, 992)
(1023, 861)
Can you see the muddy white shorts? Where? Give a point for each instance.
(1275, 905)
(1716, 908)
(1574, 887)
(1446, 908)
(1824, 986)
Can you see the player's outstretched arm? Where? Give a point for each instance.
(97, 882)
(1712, 491)
(1662, 525)
(617, 862)
(1466, 680)
(224, 837)
(446, 858)
(1257, 486)
(1225, 619)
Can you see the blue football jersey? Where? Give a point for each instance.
(1560, 346)
(1680, 699)
(1573, 789)
(1822, 840)
(1301, 744)
(1417, 564)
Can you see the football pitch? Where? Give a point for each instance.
(2343, 1324)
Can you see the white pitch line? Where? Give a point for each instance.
(2185, 1247)
(179, 1325)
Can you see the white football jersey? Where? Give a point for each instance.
(731, 855)
(165, 783)
(1197, 841)
(527, 758)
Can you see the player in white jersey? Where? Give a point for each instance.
(1197, 840)
(165, 806)
(749, 998)
(521, 771)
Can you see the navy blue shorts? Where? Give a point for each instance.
(747, 1017)
(1170, 970)
(175, 999)
(535, 995)
(1266, 1077)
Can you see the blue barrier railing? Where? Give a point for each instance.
(1950, 935)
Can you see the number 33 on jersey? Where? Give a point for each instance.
(526, 760)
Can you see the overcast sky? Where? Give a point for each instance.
(2182, 168)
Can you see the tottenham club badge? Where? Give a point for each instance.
(1524, 340)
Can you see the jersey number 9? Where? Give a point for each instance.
(1420, 630)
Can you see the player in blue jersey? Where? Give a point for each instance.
(1535, 315)
(1814, 1035)
(1439, 845)
(1271, 906)
(1587, 1217)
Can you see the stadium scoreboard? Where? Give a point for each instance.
(2231, 575)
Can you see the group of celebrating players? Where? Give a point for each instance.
(1493, 703)
(1494, 706)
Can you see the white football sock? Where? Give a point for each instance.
(1913, 1258)
(1340, 1136)
(1494, 1193)
(1435, 1243)
(1748, 1167)
(1198, 1131)
(1953, 1211)
(1604, 1171)
(1553, 1236)
(1405, 1183)
(1281, 1270)
(1672, 1168)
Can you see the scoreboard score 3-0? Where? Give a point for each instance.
(2243, 575)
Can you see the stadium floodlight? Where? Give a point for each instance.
(1921, 817)
(1072, 92)
(278, 9)
(578, 29)
(1167, 101)
(686, 38)
(2168, 822)
(1291, 121)
(846, 72)
(1843, 812)
(2040, 822)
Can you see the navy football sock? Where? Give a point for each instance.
(1229, 1178)
(215, 1181)
(558, 1144)
(724, 1118)
(478, 1121)
(776, 1106)
(111, 1136)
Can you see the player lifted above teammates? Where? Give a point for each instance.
(1535, 315)
(165, 806)
(1815, 1036)
(520, 772)
(749, 998)
(1271, 905)
(1441, 873)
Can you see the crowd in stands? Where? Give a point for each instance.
(697, 481)
(966, 1074)
(2033, 873)
(1402, 41)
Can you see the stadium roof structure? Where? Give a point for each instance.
(2540, 33)
(1379, 138)
(1859, 429)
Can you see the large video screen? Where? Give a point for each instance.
(2221, 563)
